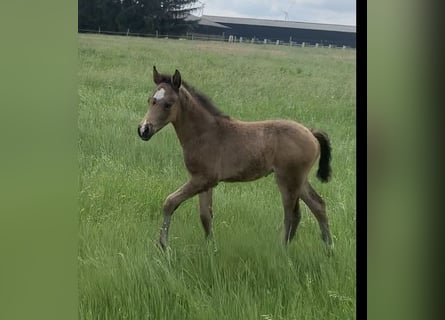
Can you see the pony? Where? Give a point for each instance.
(218, 148)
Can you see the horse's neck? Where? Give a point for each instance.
(192, 120)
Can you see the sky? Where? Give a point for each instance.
(318, 11)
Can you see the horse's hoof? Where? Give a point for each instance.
(211, 244)
(163, 245)
(329, 249)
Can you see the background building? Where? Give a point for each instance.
(273, 30)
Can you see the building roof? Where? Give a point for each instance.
(205, 22)
(277, 23)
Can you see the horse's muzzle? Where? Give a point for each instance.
(145, 131)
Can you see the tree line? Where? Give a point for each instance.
(139, 16)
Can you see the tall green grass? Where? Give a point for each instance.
(246, 273)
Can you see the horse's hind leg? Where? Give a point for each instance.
(290, 192)
(291, 220)
(316, 204)
(205, 211)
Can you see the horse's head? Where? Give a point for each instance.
(162, 104)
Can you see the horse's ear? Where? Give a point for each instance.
(176, 79)
(156, 76)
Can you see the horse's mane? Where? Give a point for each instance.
(203, 100)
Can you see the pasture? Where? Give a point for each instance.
(246, 273)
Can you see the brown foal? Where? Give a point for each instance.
(220, 148)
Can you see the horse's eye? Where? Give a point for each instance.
(168, 105)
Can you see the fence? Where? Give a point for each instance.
(222, 38)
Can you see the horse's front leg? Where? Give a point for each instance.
(205, 211)
(188, 190)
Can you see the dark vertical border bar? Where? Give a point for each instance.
(361, 149)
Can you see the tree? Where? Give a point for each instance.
(142, 16)
(93, 14)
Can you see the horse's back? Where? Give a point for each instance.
(258, 148)
(282, 135)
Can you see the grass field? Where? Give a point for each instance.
(246, 274)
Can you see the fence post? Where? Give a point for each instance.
(128, 31)
(290, 41)
(302, 44)
(99, 29)
(157, 34)
(265, 41)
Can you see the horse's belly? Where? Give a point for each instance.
(248, 172)
(248, 157)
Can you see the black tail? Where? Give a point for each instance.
(324, 164)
